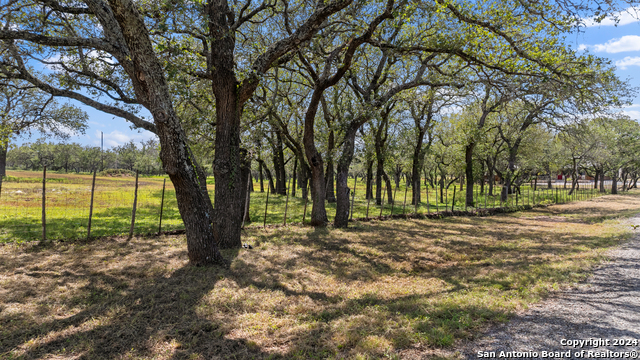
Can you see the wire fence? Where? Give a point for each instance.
(67, 205)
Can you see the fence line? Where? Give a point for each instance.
(80, 212)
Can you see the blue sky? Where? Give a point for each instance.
(620, 44)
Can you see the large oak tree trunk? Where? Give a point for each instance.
(369, 191)
(379, 172)
(228, 172)
(468, 158)
(246, 190)
(509, 174)
(224, 84)
(416, 168)
(329, 177)
(278, 163)
(3, 160)
(178, 161)
(342, 190)
(260, 176)
(318, 189)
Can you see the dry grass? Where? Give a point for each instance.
(390, 289)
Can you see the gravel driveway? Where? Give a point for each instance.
(606, 306)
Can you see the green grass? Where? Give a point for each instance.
(68, 199)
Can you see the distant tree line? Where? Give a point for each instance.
(72, 157)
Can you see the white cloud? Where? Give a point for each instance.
(625, 43)
(114, 138)
(628, 61)
(117, 138)
(582, 47)
(632, 114)
(628, 16)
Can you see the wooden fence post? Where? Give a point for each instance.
(44, 197)
(93, 186)
(369, 200)
(393, 201)
(485, 200)
(353, 196)
(415, 210)
(404, 205)
(453, 200)
(446, 199)
(135, 204)
(306, 200)
(428, 210)
(246, 199)
(382, 203)
(164, 182)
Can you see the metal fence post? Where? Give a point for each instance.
(286, 204)
(353, 196)
(164, 182)
(384, 192)
(453, 200)
(368, 198)
(266, 205)
(133, 212)
(404, 205)
(93, 186)
(44, 212)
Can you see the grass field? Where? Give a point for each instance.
(68, 199)
(378, 290)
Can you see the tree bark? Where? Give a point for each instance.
(294, 174)
(468, 158)
(389, 188)
(417, 164)
(146, 73)
(278, 163)
(369, 192)
(245, 193)
(318, 190)
(342, 190)
(227, 169)
(260, 176)
(331, 197)
(3, 160)
(511, 168)
(329, 175)
(379, 172)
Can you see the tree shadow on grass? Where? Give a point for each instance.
(138, 310)
(112, 300)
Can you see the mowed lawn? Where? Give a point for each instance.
(391, 289)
